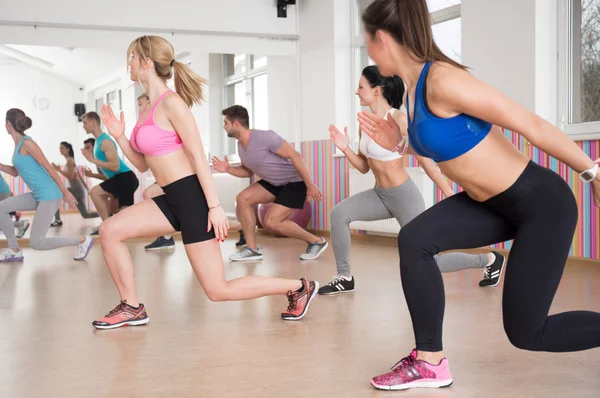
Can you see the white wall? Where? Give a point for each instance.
(325, 67)
(215, 103)
(19, 84)
(498, 43)
(282, 87)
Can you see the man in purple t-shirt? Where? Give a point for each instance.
(285, 180)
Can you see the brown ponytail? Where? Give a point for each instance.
(409, 23)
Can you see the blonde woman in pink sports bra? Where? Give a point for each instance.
(394, 194)
(166, 141)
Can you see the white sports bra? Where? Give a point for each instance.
(373, 150)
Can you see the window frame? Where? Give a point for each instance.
(247, 78)
(566, 54)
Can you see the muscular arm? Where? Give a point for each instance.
(358, 160)
(240, 171)
(460, 92)
(110, 151)
(287, 152)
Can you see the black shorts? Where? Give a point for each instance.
(186, 208)
(291, 195)
(122, 186)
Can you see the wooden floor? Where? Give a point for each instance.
(193, 347)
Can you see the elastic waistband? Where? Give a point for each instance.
(182, 181)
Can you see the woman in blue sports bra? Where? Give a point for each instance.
(394, 195)
(456, 120)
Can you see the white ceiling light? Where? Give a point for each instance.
(25, 58)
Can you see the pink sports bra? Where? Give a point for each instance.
(150, 139)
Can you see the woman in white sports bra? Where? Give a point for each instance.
(394, 194)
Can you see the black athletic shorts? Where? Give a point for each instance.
(291, 195)
(186, 208)
(122, 186)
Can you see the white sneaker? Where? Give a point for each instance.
(247, 255)
(7, 255)
(83, 249)
(314, 250)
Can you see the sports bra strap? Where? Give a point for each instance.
(160, 99)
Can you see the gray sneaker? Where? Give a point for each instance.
(314, 250)
(247, 255)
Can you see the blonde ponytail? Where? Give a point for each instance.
(188, 84)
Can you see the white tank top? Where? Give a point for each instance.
(373, 150)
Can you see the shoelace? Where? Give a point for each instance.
(337, 279)
(487, 273)
(406, 361)
(118, 308)
(311, 248)
(291, 301)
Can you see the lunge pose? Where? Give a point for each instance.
(456, 120)
(166, 141)
(395, 194)
(47, 192)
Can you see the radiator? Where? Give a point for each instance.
(228, 187)
(361, 182)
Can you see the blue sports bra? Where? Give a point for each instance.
(441, 139)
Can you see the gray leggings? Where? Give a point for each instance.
(40, 225)
(78, 191)
(403, 203)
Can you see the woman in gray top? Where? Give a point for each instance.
(76, 185)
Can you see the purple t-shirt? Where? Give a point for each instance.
(260, 157)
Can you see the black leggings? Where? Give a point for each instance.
(540, 213)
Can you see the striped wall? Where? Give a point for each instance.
(332, 176)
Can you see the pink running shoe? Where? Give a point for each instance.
(411, 372)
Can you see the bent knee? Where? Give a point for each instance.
(338, 215)
(36, 244)
(109, 231)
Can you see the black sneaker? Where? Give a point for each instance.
(338, 285)
(161, 244)
(57, 223)
(242, 241)
(493, 272)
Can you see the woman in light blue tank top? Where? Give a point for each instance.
(47, 192)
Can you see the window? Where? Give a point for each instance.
(447, 35)
(114, 100)
(446, 27)
(579, 68)
(437, 5)
(99, 103)
(246, 85)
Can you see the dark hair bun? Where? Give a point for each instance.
(23, 123)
